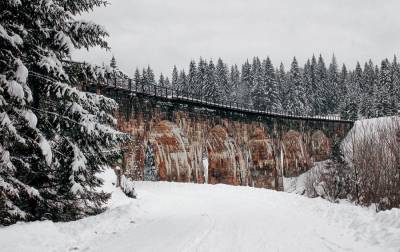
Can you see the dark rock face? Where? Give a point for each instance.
(240, 149)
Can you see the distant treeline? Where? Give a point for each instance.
(314, 89)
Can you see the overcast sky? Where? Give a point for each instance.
(161, 33)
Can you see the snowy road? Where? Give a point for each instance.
(190, 217)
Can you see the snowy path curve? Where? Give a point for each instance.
(190, 217)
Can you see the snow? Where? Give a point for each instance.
(205, 168)
(30, 117)
(46, 150)
(193, 217)
(14, 39)
(15, 89)
(22, 72)
(298, 184)
(369, 128)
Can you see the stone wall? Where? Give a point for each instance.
(240, 148)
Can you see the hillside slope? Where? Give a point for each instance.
(193, 217)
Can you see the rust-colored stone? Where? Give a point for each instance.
(296, 157)
(263, 165)
(240, 152)
(223, 157)
(320, 146)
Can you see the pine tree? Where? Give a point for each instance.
(174, 80)
(221, 78)
(315, 98)
(161, 81)
(351, 103)
(245, 91)
(322, 88)
(53, 136)
(332, 100)
(272, 102)
(192, 77)
(137, 78)
(296, 95)
(384, 104)
(113, 63)
(182, 80)
(144, 81)
(167, 83)
(201, 78)
(258, 87)
(367, 96)
(283, 88)
(151, 80)
(234, 83)
(395, 85)
(308, 86)
(210, 87)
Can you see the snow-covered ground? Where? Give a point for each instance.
(192, 217)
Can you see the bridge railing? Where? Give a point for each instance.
(165, 92)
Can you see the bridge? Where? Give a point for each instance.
(184, 137)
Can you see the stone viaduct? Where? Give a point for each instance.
(182, 139)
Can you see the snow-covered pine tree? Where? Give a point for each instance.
(396, 84)
(308, 85)
(322, 88)
(257, 89)
(316, 100)
(167, 83)
(161, 81)
(282, 86)
(19, 137)
(210, 87)
(52, 154)
(144, 81)
(150, 76)
(332, 100)
(113, 63)
(221, 79)
(246, 83)
(367, 99)
(201, 77)
(342, 81)
(350, 104)
(272, 102)
(192, 77)
(234, 83)
(137, 78)
(384, 104)
(296, 94)
(182, 83)
(174, 80)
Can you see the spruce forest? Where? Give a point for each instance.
(316, 88)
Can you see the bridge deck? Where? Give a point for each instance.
(166, 94)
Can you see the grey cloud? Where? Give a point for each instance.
(163, 33)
